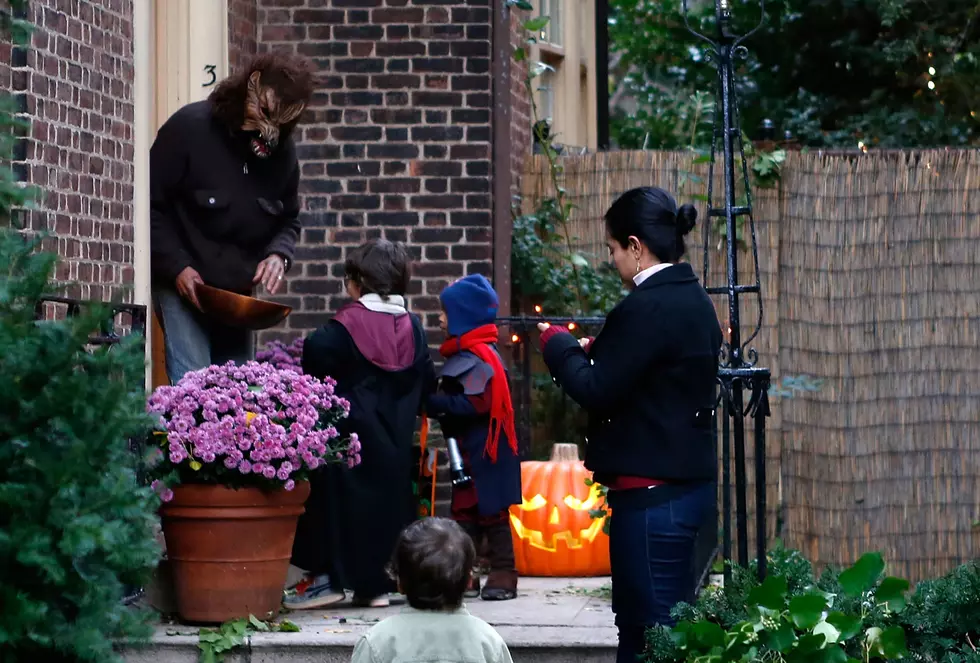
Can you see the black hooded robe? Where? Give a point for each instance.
(353, 516)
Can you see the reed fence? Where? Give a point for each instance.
(870, 268)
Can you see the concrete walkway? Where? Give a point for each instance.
(553, 620)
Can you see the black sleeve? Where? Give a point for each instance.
(460, 405)
(430, 381)
(622, 355)
(284, 243)
(429, 385)
(326, 350)
(168, 166)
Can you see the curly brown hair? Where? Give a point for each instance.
(293, 77)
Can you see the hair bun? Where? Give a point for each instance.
(687, 216)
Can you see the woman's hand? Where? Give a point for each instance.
(549, 331)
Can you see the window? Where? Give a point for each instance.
(566, 94)
(546, 91)
(552, 33)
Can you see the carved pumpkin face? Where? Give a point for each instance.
(553, 533)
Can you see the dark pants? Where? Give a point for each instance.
(651, 549)
(495, 527)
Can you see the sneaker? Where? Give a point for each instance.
(314, 593)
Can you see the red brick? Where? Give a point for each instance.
(83, 160)
(242, 31)
(382, 154)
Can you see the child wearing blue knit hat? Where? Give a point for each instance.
(473, 405)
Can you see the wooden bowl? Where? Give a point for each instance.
(237, 310)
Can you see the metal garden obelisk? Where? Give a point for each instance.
(737, 373)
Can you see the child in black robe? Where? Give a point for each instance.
(377, 353)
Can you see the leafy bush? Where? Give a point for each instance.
(857, 614)
(545, 272)
(75, 526)
(888, 73)
(943, 617)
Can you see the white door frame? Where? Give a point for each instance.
(180, 49)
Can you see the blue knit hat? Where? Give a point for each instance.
(469, 303)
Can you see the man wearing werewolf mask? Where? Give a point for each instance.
(224, 201)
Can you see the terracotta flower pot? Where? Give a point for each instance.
(229, 549)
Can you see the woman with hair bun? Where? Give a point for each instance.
(648, 383)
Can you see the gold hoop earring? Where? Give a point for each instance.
(637, 265)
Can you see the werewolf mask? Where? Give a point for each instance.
(263, 101)
(266, 116)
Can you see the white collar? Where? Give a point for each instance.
(650, 271)
(393, 304)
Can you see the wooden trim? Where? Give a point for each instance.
(143, 129)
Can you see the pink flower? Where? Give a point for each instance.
(266, 421)
(164, 493)
(289, 485)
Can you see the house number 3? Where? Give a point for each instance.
(209, 70)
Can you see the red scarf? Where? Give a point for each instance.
(478, 342)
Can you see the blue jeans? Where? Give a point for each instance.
(651, 549)
(194, 341)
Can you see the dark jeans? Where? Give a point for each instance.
(193, 341)
(651, 549)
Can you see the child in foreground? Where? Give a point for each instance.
(432, 564)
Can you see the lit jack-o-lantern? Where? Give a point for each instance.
(553, 533)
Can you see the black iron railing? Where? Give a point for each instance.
(738, 374)
(110, 332)
(528, 377)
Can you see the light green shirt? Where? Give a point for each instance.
(422, 636)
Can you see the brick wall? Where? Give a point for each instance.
(5, 53)
(77, 81)
(242, 32)
(395, 144)
(520, 104)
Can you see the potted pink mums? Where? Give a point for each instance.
(282, 355)
(236, 446)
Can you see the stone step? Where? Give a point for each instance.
(526, 644)
(553, 620)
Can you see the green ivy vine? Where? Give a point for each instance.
(215, 643)
(545, 266)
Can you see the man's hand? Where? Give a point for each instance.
(269, 273)
(187, 280)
